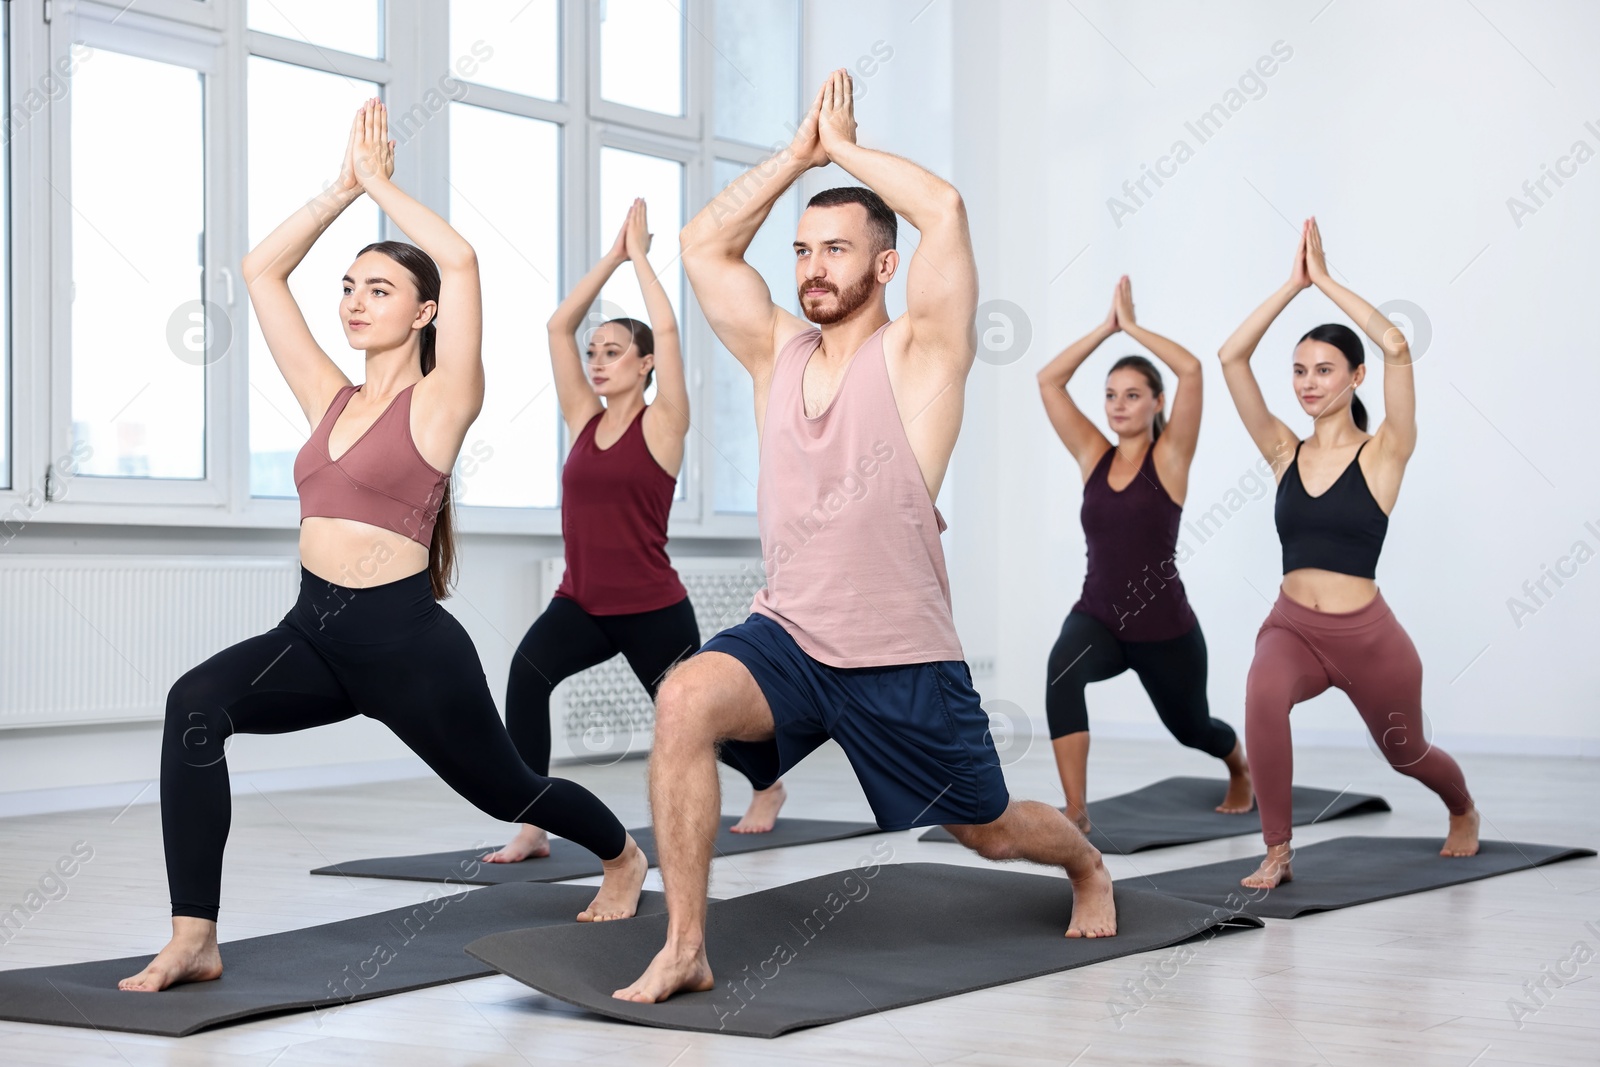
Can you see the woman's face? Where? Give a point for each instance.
(613, 361)
(381, 308)
(1323, 378)
(1131, 405)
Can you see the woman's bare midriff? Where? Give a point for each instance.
(357, 554)
(1328, 590)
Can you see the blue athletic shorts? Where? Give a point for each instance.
(915, 733)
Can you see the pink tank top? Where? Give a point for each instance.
(849, 537)
(381, 479)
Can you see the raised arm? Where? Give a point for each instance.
(312, 376)
(1397, 436)
(732, 294)
(577, 397)
(1081, 436)
(455, 385)
(668, 415)
(1272, 435)
(942, 279)
(1183, 419)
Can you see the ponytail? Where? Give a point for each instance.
(1345, 340)
(425, 273)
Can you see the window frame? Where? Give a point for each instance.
(213, 36)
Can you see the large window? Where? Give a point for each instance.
(291, 105)
(353, 26)
(185, 133)
(505, 198)
(641, 54)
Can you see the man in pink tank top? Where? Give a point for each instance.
(852, 639)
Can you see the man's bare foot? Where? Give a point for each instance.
(1463, 837)
(1094, 914)
(531, 843)
(1274, 869)
(1241, 798)
(191, 956)
(619, 891)
(1079, 814)
(672, 971)
(762, 815)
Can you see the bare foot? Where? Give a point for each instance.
(1463, 837)
(1274, 869)
(531, 843)
(619, 891)
(1094, 914)
(672, 971)
(191, 956)
(1241, 798)
(762, 814)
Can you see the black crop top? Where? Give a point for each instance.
(1342, 530)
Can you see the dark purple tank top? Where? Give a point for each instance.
(614, 508)
(1132, 586)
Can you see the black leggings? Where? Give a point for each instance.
(1173, 672)
(389, 652)
(565, 640)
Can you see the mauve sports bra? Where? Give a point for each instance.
(381, 479)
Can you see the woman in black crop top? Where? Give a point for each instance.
(1133, 613)
(1330, 625)
(376, 642)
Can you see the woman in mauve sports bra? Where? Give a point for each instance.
(620, 592)
(1330, 625)
(367, 635)
(1133, 612)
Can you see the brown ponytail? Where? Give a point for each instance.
(425, 273)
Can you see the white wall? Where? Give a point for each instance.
(1404, 128)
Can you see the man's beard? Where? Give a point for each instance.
(848, 300)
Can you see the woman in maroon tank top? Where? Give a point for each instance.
(1133, 613)
(620, 592)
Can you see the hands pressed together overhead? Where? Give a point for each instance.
(830, 124)
(369, 154)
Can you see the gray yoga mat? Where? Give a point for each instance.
(1178, 811)
(1343, 871)
(320, 967)
(567, 860)
(845, 944)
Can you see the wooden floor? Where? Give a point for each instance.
(1418, 981)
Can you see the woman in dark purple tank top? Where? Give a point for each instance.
(1133, 613)
(620, 592)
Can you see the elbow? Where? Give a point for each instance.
(254, 268)
(951, 202)
(462, 258)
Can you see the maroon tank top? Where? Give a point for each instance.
(381, 479)
(614, 507)
(1132, 586)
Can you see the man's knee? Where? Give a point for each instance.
(692, 705)
(992, 841)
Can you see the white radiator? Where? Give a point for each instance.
(602, 714)
(99, 639)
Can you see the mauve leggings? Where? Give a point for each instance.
(1300, 652)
